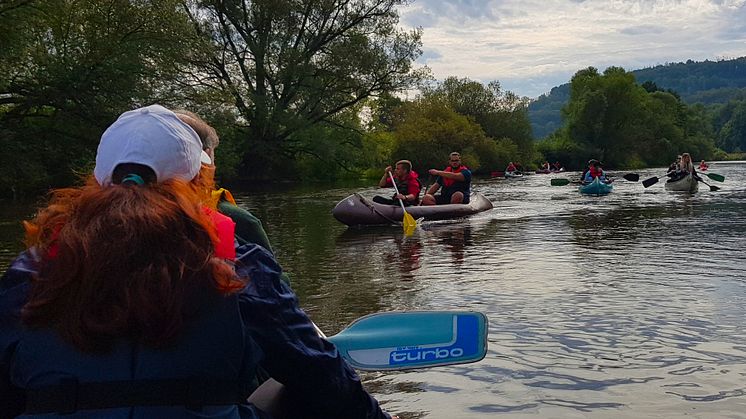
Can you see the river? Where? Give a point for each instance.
(631, 305)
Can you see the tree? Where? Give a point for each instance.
(290, 64)
(501, 114)
(614, 119)
(70, 67)
(732, 136)
(428, 130)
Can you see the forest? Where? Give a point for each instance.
(719, 86)
(305, 90)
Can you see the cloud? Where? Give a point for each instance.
(429, 55)
(535, 45)
(428, 13)
(642, 30)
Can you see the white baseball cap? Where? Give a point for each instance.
(152, 136)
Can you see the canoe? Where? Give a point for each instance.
(358, 210)
(596, 188)
(685, 184)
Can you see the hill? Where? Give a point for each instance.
(706, 82)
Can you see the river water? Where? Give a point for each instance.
(631, 305)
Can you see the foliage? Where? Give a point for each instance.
(71, 67)
(612, 118)
(545, 113)
(708, 82)
(501, 114)
(730, 121)
(428, 130)
(288, 65)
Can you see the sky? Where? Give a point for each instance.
(530, 46)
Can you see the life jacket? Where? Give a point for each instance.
(511, 168)
(596, 172)
(447, 182)
(410, 185)
(226, 228)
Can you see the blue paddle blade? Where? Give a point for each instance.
(415, 339)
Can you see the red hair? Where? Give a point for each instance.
(123, 262)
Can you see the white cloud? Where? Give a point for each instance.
(532, 45)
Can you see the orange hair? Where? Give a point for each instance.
(123, 261)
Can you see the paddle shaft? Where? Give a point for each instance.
(712, 188)
(393, 182)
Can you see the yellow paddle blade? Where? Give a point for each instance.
(409, 224)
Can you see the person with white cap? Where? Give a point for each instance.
(127, 303)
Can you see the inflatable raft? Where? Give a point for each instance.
(596, 188)
(357, 210)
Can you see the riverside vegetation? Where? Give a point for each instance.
(305, 90)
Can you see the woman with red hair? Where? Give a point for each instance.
(132, 301)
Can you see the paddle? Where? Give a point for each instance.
(632, 177)
(560, 182)
(408, 221)
(397, 341)
(653, 180)
(712, 188)
(414, 339)
(715, 177)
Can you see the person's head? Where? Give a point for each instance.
(454, 160)
(702, 162)
(124, 255)
(686, 158)
(678, 159)
(207, 134)
(592, 163)
(403, 167)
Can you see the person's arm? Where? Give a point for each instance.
(318, 381)
(248, 228)
(385, 181)
(449, 175)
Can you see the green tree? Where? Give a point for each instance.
(428, 130)
(71, 67)
(501, 114)
(288, 65)
(732, 136)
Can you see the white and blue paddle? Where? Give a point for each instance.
(413, 339)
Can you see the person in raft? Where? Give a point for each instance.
(703, 166)
(133, 301)
(455, 182)
(407, 183)
(511, 168)
(594, 171)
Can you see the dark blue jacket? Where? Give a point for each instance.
(229, 338)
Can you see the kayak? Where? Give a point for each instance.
(596, 188)
(685, 184)
(513, 174)
(358, 210)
